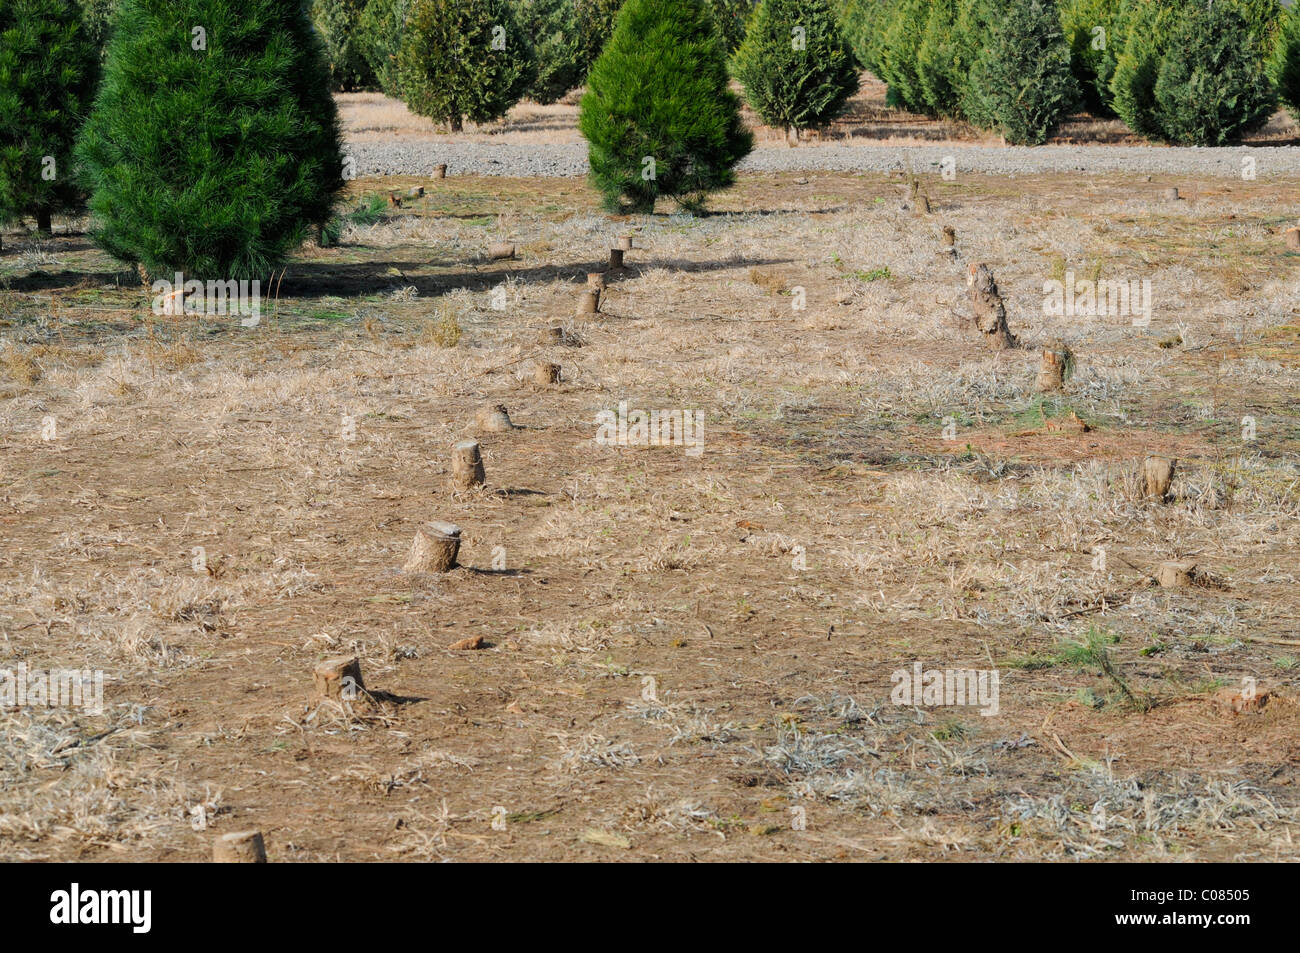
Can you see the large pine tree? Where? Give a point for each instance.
(48, 67)
(657, 115)
(214, 143)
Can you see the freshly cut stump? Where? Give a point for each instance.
(338, 677)
(240, 847)
(986, 305)
(466, 465)
(1055, 367)
(467, 645)
(922, 206)
(545, 374)
(589, 302)
(615, 259)
(1156, 477)
(440, 170)
(1293, 239)
(416, 193)
(434, 548)
(501, 252)
(596, 280)
(624, 243)
(493, 419)
(1176, 574)
(1171, 195)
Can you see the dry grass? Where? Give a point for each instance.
(711, 638)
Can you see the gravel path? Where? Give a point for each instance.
(554, 161)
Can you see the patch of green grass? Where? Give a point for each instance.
(873, 275)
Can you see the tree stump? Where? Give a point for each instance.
(1293, 239)
(241, 847)
(596, 280)
(949, 236)
(1171, 195)
(624, 243)
(394, 201)
(545, 374)
(922, 205)
(1176, 573)
(466, 465)
(493, 419)
(615, 259)
(986, 304)
(1156, 477)
(791, 136)
(440, 170)
(416, 193)
(501, 252)
(339, 678)
(1055, 367)
(589, 302)
(434, 549)
(913, 189)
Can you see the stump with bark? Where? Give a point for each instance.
(1055, 367)
(466, 465)
(339, 679)
(949, 236)
(922, 205)
(588, 302)
(1171, 195)
(615, 259)
(624, 243)
(1293, 239)
(434, 548)
(545, 374)
(1176, 574)
(986, 305)
(1156, 477)
(493, 419)
(240, 847)
(596, 280)
(501, 251)
(440, 170)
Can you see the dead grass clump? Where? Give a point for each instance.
(444, 331)
(18, 364)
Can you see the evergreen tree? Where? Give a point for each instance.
(463, 59)
(797, 69)
(1023, 73)
(379, 35)
(732, 17)
(1284, 67)
(899, 47)
(338, 22)
(48, 67)
(213, 144)
(553, 26)
(657, 115)
(595, 27)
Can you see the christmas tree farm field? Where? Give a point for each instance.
(750, 522)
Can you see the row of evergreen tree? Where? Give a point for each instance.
(1189, 72)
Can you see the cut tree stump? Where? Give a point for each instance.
(469, 644)
(949, 236)
(545, 374)
(501, 252)
(339, 678)
(589, 302)
(416, 193)
(394, 201)
(624, 243)
(1293, 239)
(1176, 574)
(1055, 367)
(922, 206)
(240, 847)
(466, 465)
(986, 305)
(1156, 477)
(615, 259)
(1171, 195)
(434, 548)
(493, 419)
(596, 280)
(440, 170)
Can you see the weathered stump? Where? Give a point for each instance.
(615, 259)
(240, 847)
(440, 170)
(1055, 367)
(1171, 195)
(1156, 477)
(501, 251)
(1176, 573)
(986, 305)
(949, 236)
(339, 678)
(466, 465)
(624, 243)
(545, 374)
(922, 205)
(394, 201)
(589, 301)
(434, 548)
(1293, 239)
(596, 280)
(493, 419)
(416, 193)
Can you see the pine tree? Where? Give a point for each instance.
(213, 144)
(463, 59)
(943, 60)
(732, 17)
(553, 26)
(379, 35)
(797, 69)
(1023, 73)
(595, 27)
(48, 67)
(899, 46)
(338, 22)
(864, 23)
(657, 115)
(1284, 67)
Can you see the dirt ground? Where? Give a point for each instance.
(687, 657)
(866, 120)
